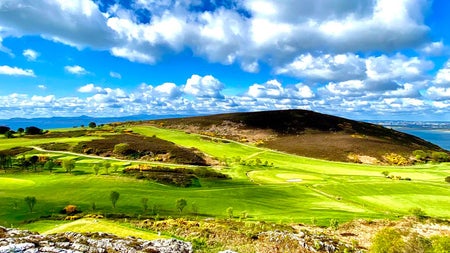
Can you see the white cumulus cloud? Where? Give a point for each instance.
(30, 54)
(91, 88)
(206, 86)
(15, 71)
(76, 70)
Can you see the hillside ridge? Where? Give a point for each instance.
(305, 133)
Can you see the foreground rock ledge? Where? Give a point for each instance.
(13, 240)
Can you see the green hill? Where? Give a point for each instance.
(306, 133)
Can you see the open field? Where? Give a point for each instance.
(286, 188)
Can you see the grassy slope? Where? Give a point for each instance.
(327, 189)
(89, 225)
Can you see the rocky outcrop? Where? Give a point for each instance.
(18, 241)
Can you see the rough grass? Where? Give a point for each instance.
(88, 225)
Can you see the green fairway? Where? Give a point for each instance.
(265, 185)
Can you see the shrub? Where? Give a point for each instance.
(387, 240)
(123, 149)
(447, 179)
(385, 173)
(230, 212)
(395, 159)
(181, 204)
(418, 213)
(92, 124)
(440, 157)
(70, 209)
(334, 224)
(440, 244)
(420, 155)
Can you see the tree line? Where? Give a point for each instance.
(31, 130)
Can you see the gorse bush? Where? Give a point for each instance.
(395, 159)
(70, 209)
(387, 240)
(392, 240)
(447, 179)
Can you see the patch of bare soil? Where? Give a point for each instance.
(228, 130)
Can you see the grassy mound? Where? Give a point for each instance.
(138, 147)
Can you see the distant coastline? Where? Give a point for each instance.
(435, 132)
(440, 137)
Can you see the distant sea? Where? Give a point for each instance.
(440, 137)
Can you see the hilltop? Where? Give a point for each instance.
(306, 133)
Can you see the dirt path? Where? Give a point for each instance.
(256, 154)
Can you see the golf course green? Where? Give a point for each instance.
(265, 185)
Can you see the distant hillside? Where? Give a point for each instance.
(306, 133)
(66, 122)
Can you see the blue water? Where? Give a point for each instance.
(440, 137)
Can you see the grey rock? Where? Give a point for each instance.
(21, 241)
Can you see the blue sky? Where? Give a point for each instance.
(360, 59)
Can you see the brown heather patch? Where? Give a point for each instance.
(304, 133)
(150, 148)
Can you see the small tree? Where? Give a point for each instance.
(230, 212)
(92, 124)
(68, 165)
(96, 168)
(144, 202)
(194, 207)
(9, 134)
(114, 196)
(4, 129)
(420, 155)
(447, 179)
(107, 165)
(439, 157)
(31, 201)
(181, 204)
(20, 131)
(49, 165)
(33, 161)
(385, 173)
(32, 130)
(115, 168)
